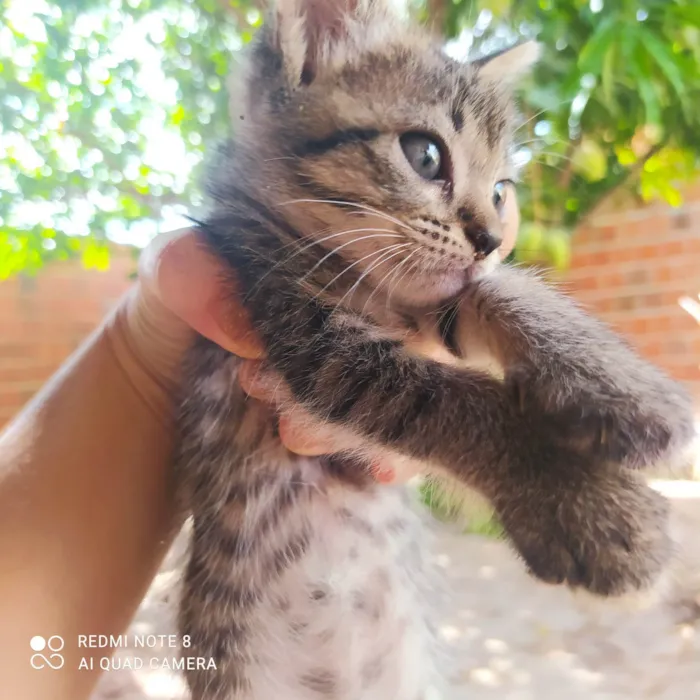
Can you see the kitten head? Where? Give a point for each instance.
(361, 132)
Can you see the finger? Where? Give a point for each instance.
(299, 431)
(261, 383)
(303, 435)
(189, 281)
(383, 472)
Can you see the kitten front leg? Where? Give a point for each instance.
(421, 408)
(559, 360)
(573, 518)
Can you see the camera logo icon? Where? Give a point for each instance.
(47, 652)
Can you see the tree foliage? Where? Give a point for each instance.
(106, 109)
(610, 104)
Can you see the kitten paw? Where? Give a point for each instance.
(607, 534)
(635, 428)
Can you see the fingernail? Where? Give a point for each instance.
(235, 325)
(254, 381)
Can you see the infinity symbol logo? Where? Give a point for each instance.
(53, 660)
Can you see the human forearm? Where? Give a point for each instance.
(86, 508)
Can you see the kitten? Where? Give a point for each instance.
(359, 204)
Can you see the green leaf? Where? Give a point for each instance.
(178, 115)
(607, 81)
(499, 8)
(625, 155)
(130, 207)
(590, 160)
(645, 87)
(594, 52)
(96, 256)
(665, 60)
(557, 247)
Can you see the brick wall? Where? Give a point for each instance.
(630, 266)
(45, 317)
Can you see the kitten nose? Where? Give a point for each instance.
(484, 243)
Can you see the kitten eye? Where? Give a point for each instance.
(423, 154)
(500, 192)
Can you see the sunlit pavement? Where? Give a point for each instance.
(514, 638)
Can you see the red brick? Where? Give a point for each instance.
(663, 273)
(41, 372)
(652, 349)
(584, 284)
(687, 372)
(632, 274)
(43, 319)
(608, 233)
(653, 225)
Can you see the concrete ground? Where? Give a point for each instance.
(515, 638)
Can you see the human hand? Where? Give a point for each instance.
(180, 290)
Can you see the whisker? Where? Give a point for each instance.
(532, 118)
(451, 317)
(398, 276)
(379, 214)
(402, 277)
(371, 267)
(410, 273)
(520, 144)
(554, 154)
(318, 241)
(349, 204)
(357, 262)
(344, 245)
(389, 274)
(545, 141)
(381, 251)
(381, 281)
(315, 241)
(556, 167)
(542, 111)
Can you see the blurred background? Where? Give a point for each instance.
(107, 108)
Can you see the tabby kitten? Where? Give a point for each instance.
(360, 204)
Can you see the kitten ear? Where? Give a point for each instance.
(509, 65)
(304, 32)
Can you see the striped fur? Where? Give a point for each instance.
(305, 579)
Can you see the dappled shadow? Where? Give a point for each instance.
(514, 638)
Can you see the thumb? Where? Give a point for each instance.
(179, 271)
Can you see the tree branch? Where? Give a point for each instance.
(631, 174)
